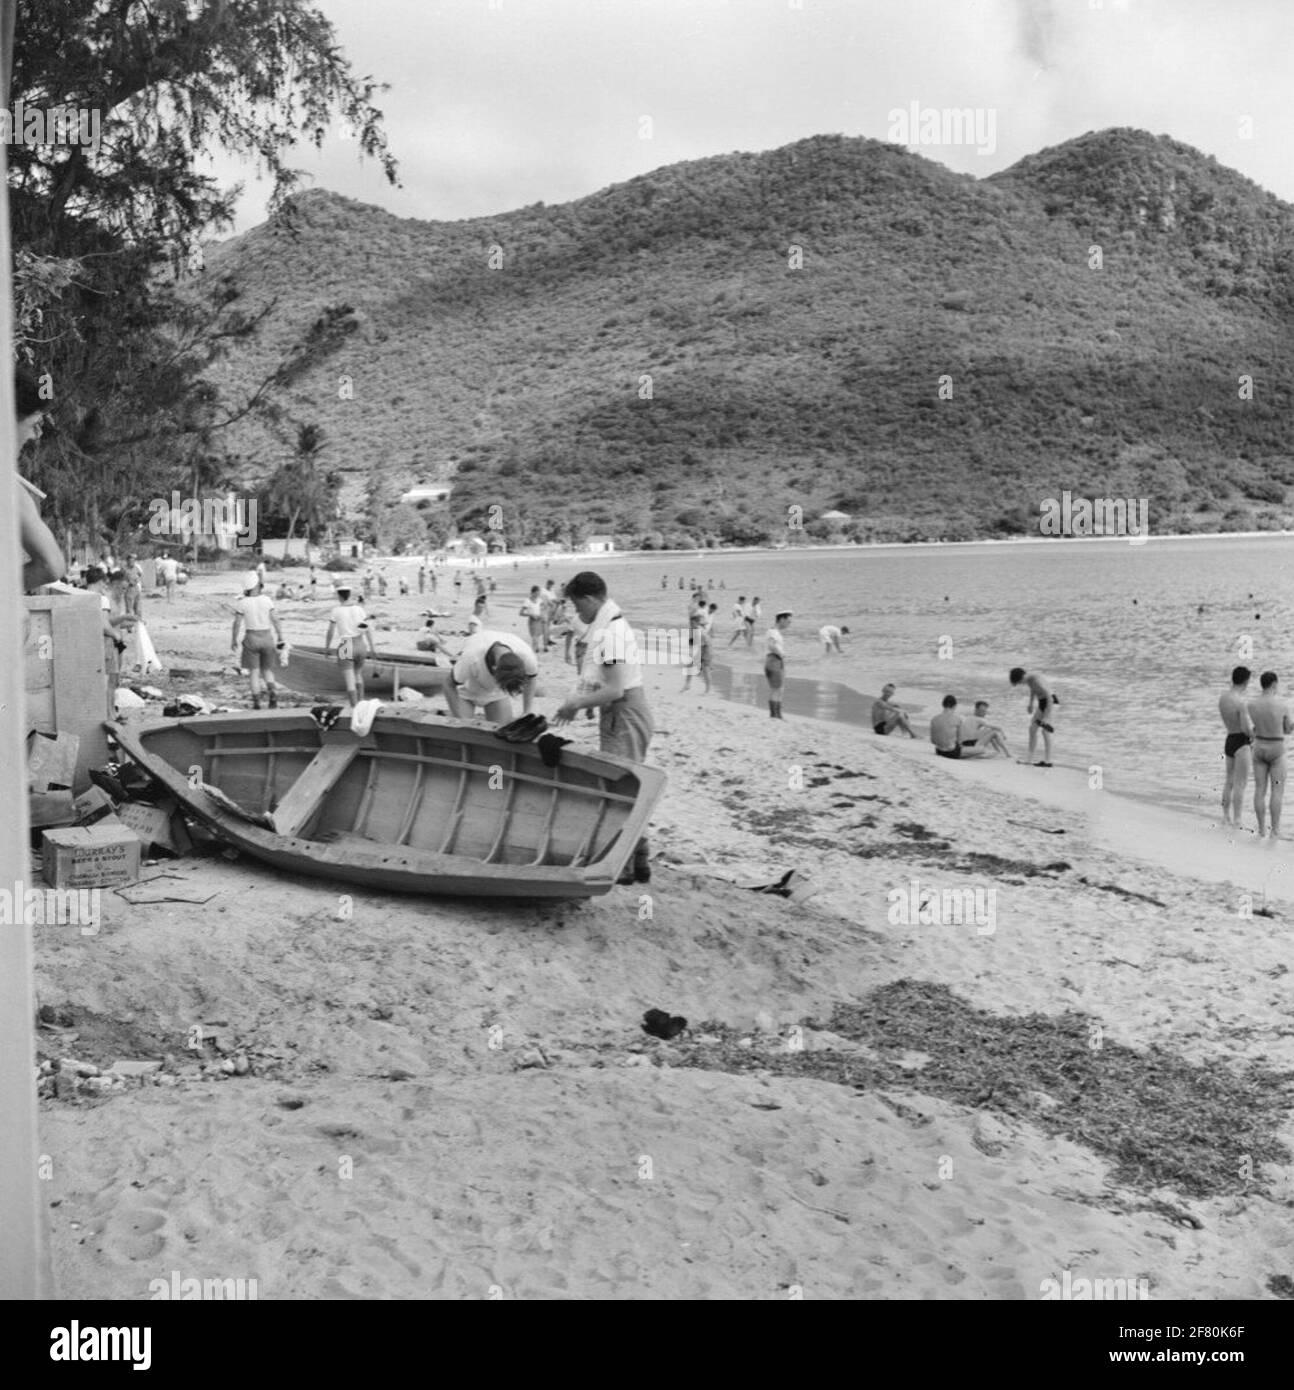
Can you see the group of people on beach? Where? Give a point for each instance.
(956, 735)
(1257, 727)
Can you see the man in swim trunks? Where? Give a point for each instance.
(887, 716)
(978, 732)
(1042, 705)
(946, 734)
(1271, 721)
(1236, 748)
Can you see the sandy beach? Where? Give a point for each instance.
(448, 1099)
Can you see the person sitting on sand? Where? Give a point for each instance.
(830, 638)
(1236, 748)
(349, 623)
(1271, 721)
(1042, 706)
(977, 732)
(887, 716)
(946, 734)
(432, 641)
(492, 668)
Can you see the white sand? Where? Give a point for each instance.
(612, 1171)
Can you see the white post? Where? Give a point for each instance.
(24, 1268)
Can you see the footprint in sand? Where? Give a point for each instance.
(134, 1232)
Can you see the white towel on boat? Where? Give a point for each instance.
(363, 715)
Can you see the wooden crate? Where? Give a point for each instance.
(66, 682)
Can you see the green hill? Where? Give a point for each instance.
(657, 360)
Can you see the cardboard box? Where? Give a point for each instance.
(93, 805)
(105, 855)
(51, 760)
(159, 827)
(50, 808)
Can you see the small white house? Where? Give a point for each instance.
(599, 545)
(839, 518)
(427, 492)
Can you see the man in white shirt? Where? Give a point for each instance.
(612, 683)
(262, 637)
(739, 619)
(168, 571)
(349, 624)
(492, 668)
(533, 611)
(775, 661)
(831, 636)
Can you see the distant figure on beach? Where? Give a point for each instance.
(700, 644)
(1042, 706)
(404, 587)
(134, 573)
(614, 688)
(946, 733)
(458, 582)
(664, 581)
(112, 618)
(680, 582)
(431, 641)
(262, 636)
(775, 661)
(422, 579)
(977, 732)
(491, 669)
(752, 617)
(739, 620)
(549, 599)
(1236, 748)
(887, 716)
(830, 637)
(1271, 721)
(314, 584)
(532, 610)
(168, 571)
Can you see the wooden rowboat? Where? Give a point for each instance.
(313, 671)
(419, 805)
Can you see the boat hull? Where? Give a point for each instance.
(312, 671)
(418, 805)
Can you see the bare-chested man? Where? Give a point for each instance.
(1040, 695)
(887, 716)
(1236, 749)
(1271, 721)
(946, 734)
(977, 732)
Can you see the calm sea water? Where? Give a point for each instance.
(1138, 641)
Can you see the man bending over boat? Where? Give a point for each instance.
(612, 683)
(492, 668)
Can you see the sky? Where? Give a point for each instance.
(496, 104)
